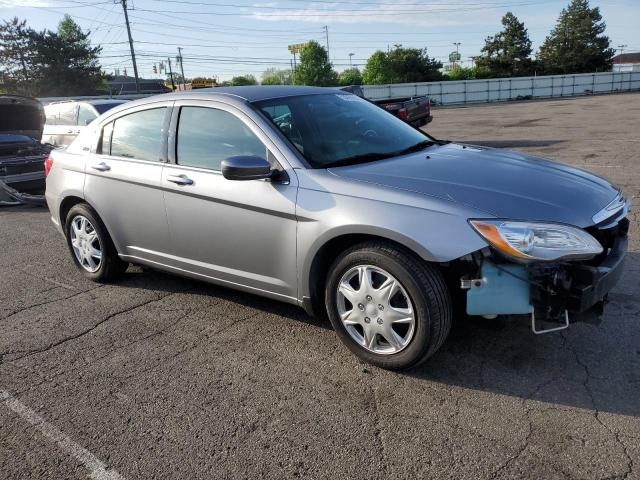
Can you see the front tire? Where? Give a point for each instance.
(388, 306)
(90, 245)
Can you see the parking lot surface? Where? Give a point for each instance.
(162, 377)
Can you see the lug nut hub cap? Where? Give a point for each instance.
(375, 309)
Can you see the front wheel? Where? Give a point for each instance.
(389, 307)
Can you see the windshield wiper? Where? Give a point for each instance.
(372, 157)
(416, 148)
(364, 158)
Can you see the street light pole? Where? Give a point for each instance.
(350, 63)
(457, 44)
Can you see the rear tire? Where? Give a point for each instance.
(393, 333)
(91, 246)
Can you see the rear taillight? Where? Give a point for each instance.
(402, 113)
(48, 165)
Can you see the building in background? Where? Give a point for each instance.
(627, 62)
(124, 85)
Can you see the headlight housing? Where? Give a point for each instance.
(533, 241)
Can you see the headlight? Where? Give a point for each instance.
(530, 241)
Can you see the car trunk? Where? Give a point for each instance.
(21, 116)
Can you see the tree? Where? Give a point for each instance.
(378, 69)
(244, 80)
(350, 76)
(401, 65)
(413, 65)
(64, 62)
(273, 76)
(314, 67)
(474, 73)
(577, 43)
(16, 53)
(508, 53)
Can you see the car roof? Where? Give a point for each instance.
(254, 93)
(105, 101)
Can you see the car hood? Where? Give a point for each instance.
(501, 183)
(21, 116)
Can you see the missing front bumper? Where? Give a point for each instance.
(555, 293)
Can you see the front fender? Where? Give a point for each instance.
(434, 230)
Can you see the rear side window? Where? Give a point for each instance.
(137, 135)
(206, 136)
(61, 113)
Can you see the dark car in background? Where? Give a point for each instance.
(22, 155)
(415, 111)
(66, 119)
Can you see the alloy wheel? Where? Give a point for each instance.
(86, 244)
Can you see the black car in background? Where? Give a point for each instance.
(22, 154)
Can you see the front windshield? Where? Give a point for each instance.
(336, 129)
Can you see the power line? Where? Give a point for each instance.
(287, 12)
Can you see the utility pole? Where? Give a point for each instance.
(184, 82)
(326, 32)
(351, 55)
(621, 48)
(173, 85)
(133, 53)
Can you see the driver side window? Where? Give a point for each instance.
(206, 136)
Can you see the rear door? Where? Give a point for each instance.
(123, 179)
(241, 233)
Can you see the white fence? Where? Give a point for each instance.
(502, 89)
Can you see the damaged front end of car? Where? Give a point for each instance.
(553, 273)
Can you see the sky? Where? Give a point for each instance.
(225, 38)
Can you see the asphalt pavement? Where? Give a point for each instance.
(161, 377)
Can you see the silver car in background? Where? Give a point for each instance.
(66, 119)
(321, 199)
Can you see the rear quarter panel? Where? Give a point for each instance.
(66, 179)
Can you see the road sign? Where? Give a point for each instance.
(296, 47)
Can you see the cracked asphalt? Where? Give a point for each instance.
(162, 377)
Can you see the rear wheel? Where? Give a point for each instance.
(90, 245)
(389, 307)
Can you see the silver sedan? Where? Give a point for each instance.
(319, 198)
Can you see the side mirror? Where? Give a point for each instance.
(246, 168)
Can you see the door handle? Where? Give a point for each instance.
(180, 179)
(102, 167)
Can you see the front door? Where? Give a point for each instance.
(239, 233)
